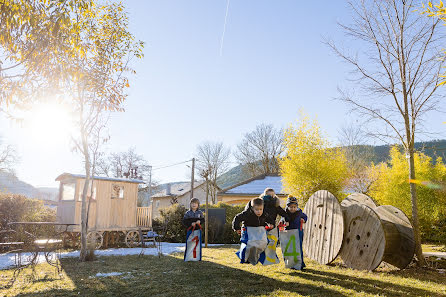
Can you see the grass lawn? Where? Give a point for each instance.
(219, 274)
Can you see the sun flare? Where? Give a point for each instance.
(49, 123)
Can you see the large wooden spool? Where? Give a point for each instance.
(364, 238)
(400, 240)
(358, 198)
(325, 227)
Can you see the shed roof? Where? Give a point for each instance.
(256, 185)
(81, 176)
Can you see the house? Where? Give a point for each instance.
(177, 193)
(113, 204)
(243, 192)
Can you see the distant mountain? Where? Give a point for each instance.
(231, 177)
(380, 153)
(11, 184)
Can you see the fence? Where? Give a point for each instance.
(144, 216)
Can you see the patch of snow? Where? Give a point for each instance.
(167, 248)
(99, 274)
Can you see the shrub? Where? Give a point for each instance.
(18, 208)
(172, 230)
(170, 225)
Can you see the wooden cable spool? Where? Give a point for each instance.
(358, 198)
(374, 234)
(324, 229)
(364, 237)
(400, 239)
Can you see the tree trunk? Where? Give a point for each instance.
(84, 229)
(413, 196)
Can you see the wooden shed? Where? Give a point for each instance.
(113, 206)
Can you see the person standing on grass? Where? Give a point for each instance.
(193, 216)
(193, 220)
(295, 220)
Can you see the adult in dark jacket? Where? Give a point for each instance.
(193, 216)
(272, 206)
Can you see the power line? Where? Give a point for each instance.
(171, 165)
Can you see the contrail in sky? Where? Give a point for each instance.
(224, 29)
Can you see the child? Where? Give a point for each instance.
(193, 219)
(193, 216)
(271, 205)
(251, 217)
(255, 243)
(295, 220)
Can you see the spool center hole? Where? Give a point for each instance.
(320, 226)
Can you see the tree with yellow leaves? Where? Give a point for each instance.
(392, 186)
(310, 163)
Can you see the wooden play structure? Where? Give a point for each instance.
(113, 211)
(361, 233)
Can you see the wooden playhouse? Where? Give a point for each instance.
(113, 211)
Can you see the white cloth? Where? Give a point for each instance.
(251, 249)
(290, 244)
(193, 246)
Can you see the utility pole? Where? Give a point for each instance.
(150, 182)
(150, 195)
(192, 179)
(206, 218)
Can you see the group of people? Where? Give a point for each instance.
(258, 226)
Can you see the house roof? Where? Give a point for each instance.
(178, 189)
(256, 185)
(80, 176)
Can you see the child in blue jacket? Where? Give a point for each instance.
(295, 220)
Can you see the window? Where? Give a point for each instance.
(117, 191)
(81, 189)
(157, 203)
(68, 190)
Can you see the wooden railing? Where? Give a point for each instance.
(144, 216)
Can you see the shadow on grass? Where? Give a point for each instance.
(170, 276)
(370, 286)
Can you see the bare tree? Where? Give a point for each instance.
(359, 157)
(212, 161)
(396, 73)
(121, 164)
(259, 150)
(8, 157)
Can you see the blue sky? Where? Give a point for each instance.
(273, 64)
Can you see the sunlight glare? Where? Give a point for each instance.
(49, 123)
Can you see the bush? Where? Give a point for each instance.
(18, 208)
(172, 230)
(392, 188)
(229, 236)
(170, 223)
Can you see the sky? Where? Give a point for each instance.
(273, 63)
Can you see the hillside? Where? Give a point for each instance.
(380, 153)
(11, 184)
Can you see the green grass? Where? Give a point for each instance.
(219, 274)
